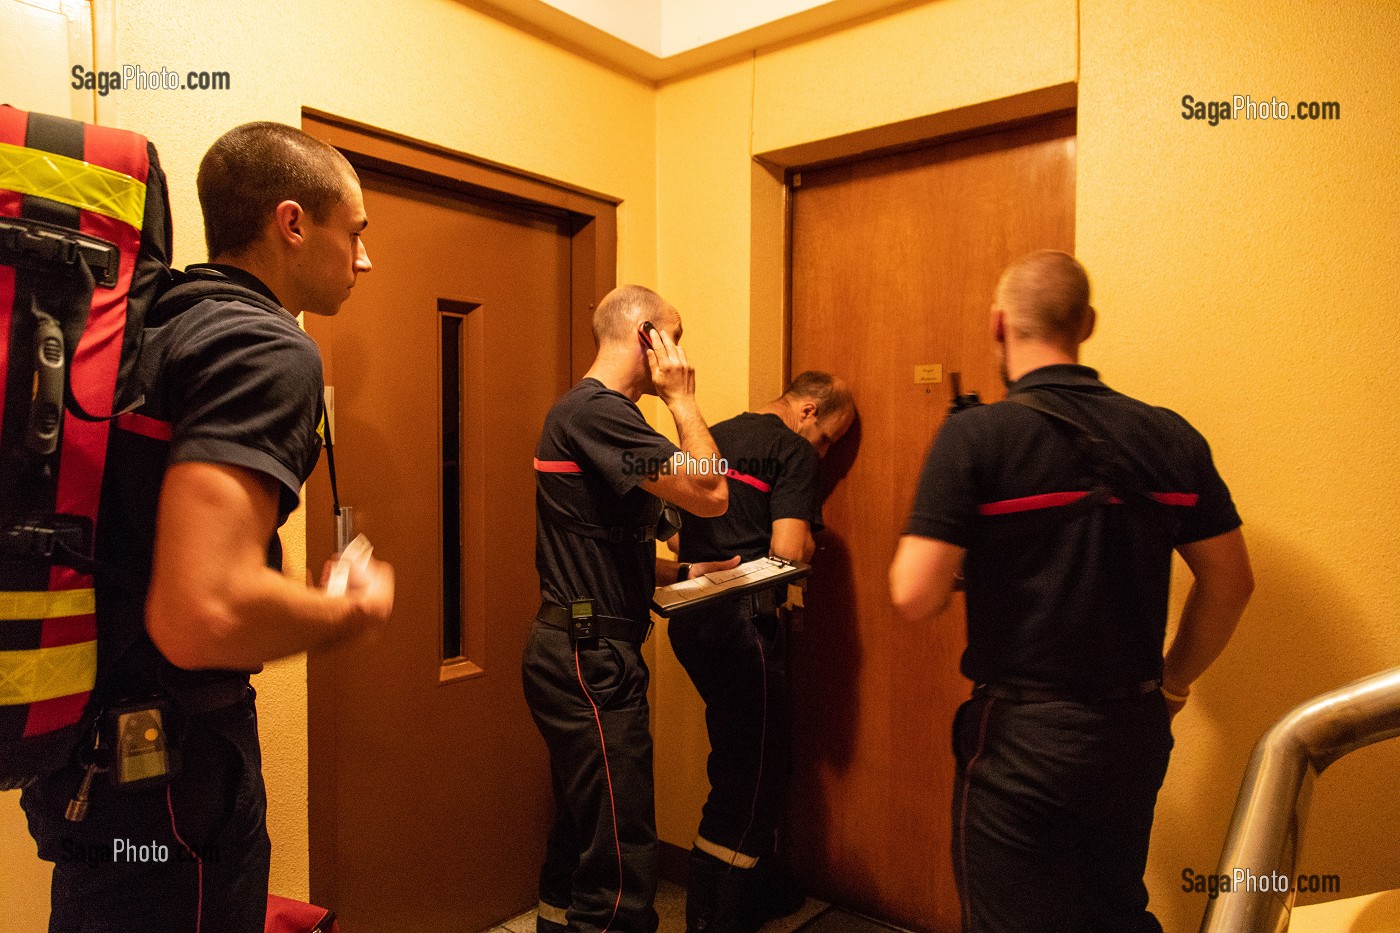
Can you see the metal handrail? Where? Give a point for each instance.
(1272, 806)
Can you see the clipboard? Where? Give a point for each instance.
(764, 573)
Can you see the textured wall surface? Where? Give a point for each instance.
(1247, 276)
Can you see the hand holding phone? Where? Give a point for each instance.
(672, 377)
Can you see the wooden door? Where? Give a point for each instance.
(894, 261)
(430, 792)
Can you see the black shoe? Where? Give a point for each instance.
(771, 894)
(714, 897)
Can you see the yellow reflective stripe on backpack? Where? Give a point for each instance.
(74, 182)
(47, 605)
(47, 673)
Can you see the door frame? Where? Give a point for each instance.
(591, 216)
(590, 220)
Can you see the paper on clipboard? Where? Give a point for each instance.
(752, 575)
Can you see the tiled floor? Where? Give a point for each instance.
(670, 905)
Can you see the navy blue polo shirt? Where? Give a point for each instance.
(229, 378)
(772, 475)
(1057, 593)
(593, 454)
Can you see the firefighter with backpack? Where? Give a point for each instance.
(155, 437)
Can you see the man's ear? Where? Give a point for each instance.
(998, 325)
(808, 411)
(1090, 319)
(291, 222)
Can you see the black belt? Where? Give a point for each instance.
(1048, 694)
(612, 627)
(212, 698)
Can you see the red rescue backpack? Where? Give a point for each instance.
(84, 252)
(285, 915)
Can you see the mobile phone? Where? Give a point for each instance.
(644, 337)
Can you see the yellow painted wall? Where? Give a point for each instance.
(431, 69)
(1246, 275)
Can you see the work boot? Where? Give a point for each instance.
(545, 924)
(714, 897)
(770, 893)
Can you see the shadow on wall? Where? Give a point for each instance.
(823, 694)
(1296, 641)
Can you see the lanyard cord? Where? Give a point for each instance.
(330, 453)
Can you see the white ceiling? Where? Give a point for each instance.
(659, 39)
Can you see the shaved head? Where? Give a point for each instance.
(623, 309)
(1045, 296)
(254, 167)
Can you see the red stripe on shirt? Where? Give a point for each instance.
(1187, 499)
(1052, 500)
(1047, 500)
(556, 466)
(748, 480)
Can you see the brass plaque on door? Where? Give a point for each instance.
(928, 373)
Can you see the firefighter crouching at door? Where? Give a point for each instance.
(599, 486)
(735, 651)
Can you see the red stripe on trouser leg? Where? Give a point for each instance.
(612, 799)
(49, 715)
(962, 816)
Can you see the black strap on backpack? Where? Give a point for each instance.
(1114, 478)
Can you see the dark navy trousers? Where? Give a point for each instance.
(601, 861)
(1052, 812)
(738, 663)
(206, 852)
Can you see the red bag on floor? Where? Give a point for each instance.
(285, 915)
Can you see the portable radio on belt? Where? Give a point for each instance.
(143, 753)
(581, 619)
